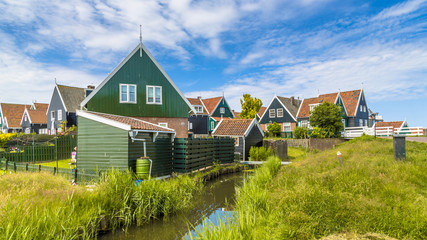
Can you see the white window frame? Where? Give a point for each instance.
(52, 115)
(127, 93)
(212, 125)
(236, 141)
(304, 123)
(360, 122)
(154, 95)
(25, 117)
(59, 114)
(366, 122)
(272, 113)
(361, 108)
(279, 112)
(222, 110)
(288, 127)
(190, 126)
(199, 108)
(163, 124)
(313, 106)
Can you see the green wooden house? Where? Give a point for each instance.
(107, 141)
(138, 87)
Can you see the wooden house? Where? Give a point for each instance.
(63, 104)
(246, 132)
(208, 113)
(138, 87)
(354, 110)
(281, 110)
(34, 120)
(107, 141)
(10, 117)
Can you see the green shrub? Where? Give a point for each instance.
(321, 133)
(260, 153)
(274, 129)
(4, 138)
(300, 132)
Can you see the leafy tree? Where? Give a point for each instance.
(274, 129)
(250, 106)
(327, 116)
(321, 133)
(300, 132)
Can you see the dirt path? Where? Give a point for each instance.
(417, 139)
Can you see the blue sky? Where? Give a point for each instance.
(262, 47)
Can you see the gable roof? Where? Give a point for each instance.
(394, 124)
(71, 97)
(261, 111)
(13, 113)
(351, 101)
(140, 48)
(41, 106)
(126, 123)
(304, 110)
(36, 116)
(198, 102)
(235, 127)
(291, 105)
(211, 103)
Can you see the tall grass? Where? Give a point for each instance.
(43, 206)
(370, 195)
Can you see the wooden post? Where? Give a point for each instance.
(54, 171)
(26, 167)
(14, 166)
(40, 167)
(75, 174)
(339, 157)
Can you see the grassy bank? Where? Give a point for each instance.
(43, 206)
(371, 196)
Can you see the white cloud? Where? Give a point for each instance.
(401, 9)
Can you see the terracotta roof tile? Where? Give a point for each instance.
(198, 102)
(211, 103)
(261, 111)
(41, 106)
(305, 107)
(134, 122)
(232, 127)
(237, 115)
(38, 116)
(13, 113)
(394, 124)
(350, 99)
(219, 118)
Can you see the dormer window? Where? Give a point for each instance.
(313, 106)
(199, 109)
(127, 93)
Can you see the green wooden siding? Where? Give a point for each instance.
(142, 72)
(160, 152)
(227, 113)
(210, 124)
(343, 114)
(101, 147)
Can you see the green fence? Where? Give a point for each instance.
(193, 154)
(39, 153)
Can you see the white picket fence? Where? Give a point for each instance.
(353, 132)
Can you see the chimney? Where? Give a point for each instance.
(292, 100)
(199, 97)
(90, 87)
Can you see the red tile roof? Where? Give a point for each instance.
(219, 118)
(232, 127)
(394, 124)
(236, 115)
(133, 122)
(198, 102)
(350, 99)
(13, 113)
(41, 106)
(211, 103)
(38, 116)
(304, 111)
(261, 111)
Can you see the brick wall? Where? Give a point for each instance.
(180, 125)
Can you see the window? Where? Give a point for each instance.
(366, 122)
(280, 112)
(313, 106)
(190, 125)
(304, 123)
(212, 125)
(154, 95)
(360, 122)
(199, 109)
(343, 122)
(222, 110)
(25, 117)
(52, 115)
(163, 125)
(127, 93)
(361, 108)
(364, 108)
(59, 115)
(287, 127)
(272, 113)
(27, 130)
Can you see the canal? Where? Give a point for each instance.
(215, 201)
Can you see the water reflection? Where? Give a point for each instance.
(216, 200)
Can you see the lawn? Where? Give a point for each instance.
(61, 164)
(297, 153)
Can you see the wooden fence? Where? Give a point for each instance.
(40, 153)
(196, 153)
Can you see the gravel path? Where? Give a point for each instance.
(417, 139)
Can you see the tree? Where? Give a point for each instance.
(300, 132)
(327, 116)
(250, 106)
(274, 129)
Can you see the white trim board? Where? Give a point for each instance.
(140, 46)
(28, 115)
(106, 121)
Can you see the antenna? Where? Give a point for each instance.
(55, 81)
(362, 85)
(140, 40)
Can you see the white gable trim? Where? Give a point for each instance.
(60, 96)
(213, 132)
(23, 115)
(358, 102)
(201, 100)
(253, 123)
(343, 104)
(300, 106)
(1, 115)
(267, 108)
(106, 121)
(140, 46)
(229, 108)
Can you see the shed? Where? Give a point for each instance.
(107, 141)
(246, 132)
